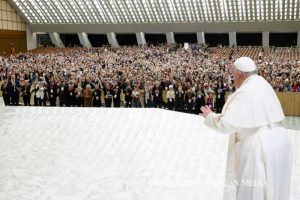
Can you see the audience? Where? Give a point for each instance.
(152, 76)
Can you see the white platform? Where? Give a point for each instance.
(113, 154)
(63, 153)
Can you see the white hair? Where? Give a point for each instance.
(247, 74)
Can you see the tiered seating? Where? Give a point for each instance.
(287, 53)
(278, 53)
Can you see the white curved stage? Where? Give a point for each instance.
(110, 154)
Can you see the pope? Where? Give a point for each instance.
(252, 116)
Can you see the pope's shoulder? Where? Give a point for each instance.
(256, 84)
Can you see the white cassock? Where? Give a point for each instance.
(262, 153)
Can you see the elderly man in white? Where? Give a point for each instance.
(253, 115)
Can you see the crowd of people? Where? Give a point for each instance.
(165, 76)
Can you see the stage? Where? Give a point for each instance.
(114, 154)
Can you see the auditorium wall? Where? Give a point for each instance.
(12, 30)
(12, 42)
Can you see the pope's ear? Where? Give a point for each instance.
(241, 75)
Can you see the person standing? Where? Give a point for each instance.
(14, 87)
(117, 96)
(87, 96)
(62, 93)
(141, 96)
(148, 95)
(157, 95)
(220, 96)
(179, 99)
(135, 97)
(5, 93)
(209, 99)
(97, 96)
(70, 95)
(252, 116)
(108, 95)
(79, 95)
(171, 97)
(189, 100)
(200, 98)
(128, 97)
(52, 90)
(26, 93)
(41, 94)
(33, 93)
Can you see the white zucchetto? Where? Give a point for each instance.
(245, 64)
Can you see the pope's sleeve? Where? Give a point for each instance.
(215, 122)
